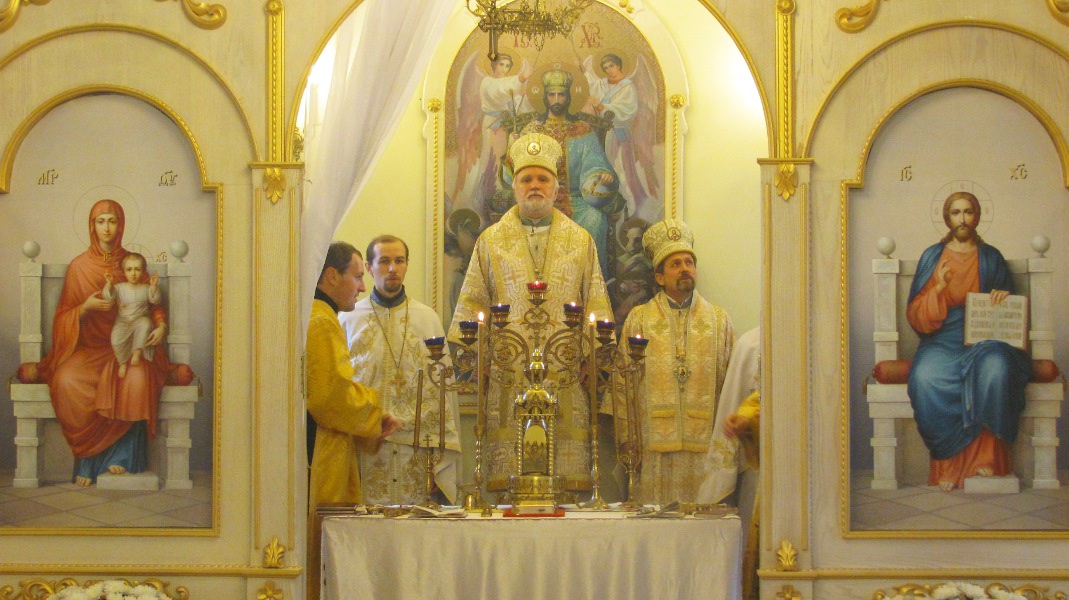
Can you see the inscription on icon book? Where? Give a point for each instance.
(1007, 321)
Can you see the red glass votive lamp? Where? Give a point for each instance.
(537, 291)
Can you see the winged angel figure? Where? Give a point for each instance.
(482, 139)
(633, 99)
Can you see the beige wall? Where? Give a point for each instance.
(821, 98)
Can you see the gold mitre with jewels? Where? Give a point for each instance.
(665, 238)
(557, 79)
(535, 150)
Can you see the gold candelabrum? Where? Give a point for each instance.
(443, 377)
(621, 374)
(554, 359)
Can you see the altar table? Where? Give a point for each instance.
(584, 555)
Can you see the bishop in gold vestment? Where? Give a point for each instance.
(690, 341)
(534, 241)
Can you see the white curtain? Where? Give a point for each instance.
(380, 54)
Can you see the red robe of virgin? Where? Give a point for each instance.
(93, 405)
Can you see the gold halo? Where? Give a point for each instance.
(987, 205)
(131, 209)
(579, 90)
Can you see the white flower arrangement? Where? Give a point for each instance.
(960, 590)
(112, 589)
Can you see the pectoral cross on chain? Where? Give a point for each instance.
(398, 382)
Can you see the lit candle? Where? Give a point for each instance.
(638, 340)
(482, 317)
(419, 410)
(536, 286)
(441, 421)
(500, 308)
(572, 307)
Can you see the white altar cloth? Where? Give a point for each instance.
(582, 555)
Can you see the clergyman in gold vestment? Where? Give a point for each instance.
(534, 241)
(690, 341)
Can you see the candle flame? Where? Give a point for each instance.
(481, 316)
(592, 317)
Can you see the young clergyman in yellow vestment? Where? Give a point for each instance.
(342, 409)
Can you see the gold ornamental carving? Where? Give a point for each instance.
(916, 591)
(270, 591)
(626, 5)
(785, 77)
(677, 101)
(9, 13)
(1058, 8)
(788, 592)
(853, 20)
(786, 180)
(274, 553)
(276, 80)
(274, 183)
(39, 589)
(786, 557)
(202, 14)
(298, 144)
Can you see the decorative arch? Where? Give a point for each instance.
(30, 45)
(7, 162)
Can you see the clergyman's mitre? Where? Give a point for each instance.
(535, 150)
(665, 238)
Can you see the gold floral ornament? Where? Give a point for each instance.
(787, 557)
(788, 592)
(274, 553)
(853, 20)
(202, 14)
(960, 590)
(270, 591)
(274, 183)
(677, 100)
(434, 105)
(111, 589)
(11, 12)
(786, 181)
